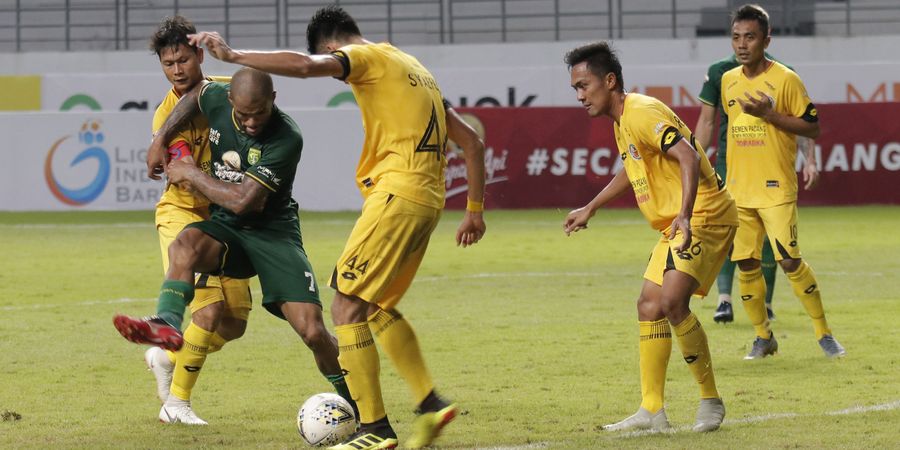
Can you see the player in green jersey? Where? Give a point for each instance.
(253, 227)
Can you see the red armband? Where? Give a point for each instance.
(179, 150)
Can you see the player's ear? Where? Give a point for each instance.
(200, 55)
(273, 95)
(610, 79)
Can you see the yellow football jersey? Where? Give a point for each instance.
(645, 132)
(403, 118)
(197, 138)
(761, 158)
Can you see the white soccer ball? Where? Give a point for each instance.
(325, 419)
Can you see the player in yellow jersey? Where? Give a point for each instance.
(768, 107)
(684, 199)
(221, 306)
(401, 177)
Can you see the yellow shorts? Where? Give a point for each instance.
(384, 250)
(778, 222)
(235, 292)
(702, 261)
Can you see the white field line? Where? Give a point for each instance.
(149, 224)
(118, 301)
(778, 416)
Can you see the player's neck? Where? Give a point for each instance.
(617, 106)
(753, 70)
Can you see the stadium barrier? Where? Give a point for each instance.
(536, 158)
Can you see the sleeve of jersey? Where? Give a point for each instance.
(359, 63)
(276, 162)
(658, 130)
(798, 103)
(212, 95)
(709, 93)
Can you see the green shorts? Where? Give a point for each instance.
(275, 254)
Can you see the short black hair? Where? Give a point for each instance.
(329, 22)
(171, 33)
(755, 12)
(601, 60)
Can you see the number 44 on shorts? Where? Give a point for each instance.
(353, 265)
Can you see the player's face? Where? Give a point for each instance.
(590, 90)
(252, 115)
(182, 66)
(749, 42)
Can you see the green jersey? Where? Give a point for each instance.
(711, 94)
(270, 158)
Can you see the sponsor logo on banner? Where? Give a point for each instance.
(495, 163)
(89, 140)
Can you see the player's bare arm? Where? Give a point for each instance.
(577, 219)
(689, 162)
(186, 109)
(285, 63)
(762, 107)
(705, 123)
(472, 227)
(807, 147)
(242, 198)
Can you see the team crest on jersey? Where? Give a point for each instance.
(253, 155)
(632, 150)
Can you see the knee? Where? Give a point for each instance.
(790, 265)
(315, 336)
(674, 309)
(209, 317)
(648, 309)
(182, 253)
(346, 309)
(747, 265)
(231, 328)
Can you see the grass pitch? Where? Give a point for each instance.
(534, 334)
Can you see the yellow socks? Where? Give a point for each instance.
(803, 281)
(216, 343)
(654, 348)
(359, 359)
(753, 294)
(695, 348)
(398, 340)
(189, 360)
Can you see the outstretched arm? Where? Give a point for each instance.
(285, 63)
(186, 109)
(577, 219)
(704, 130)
(472, 227)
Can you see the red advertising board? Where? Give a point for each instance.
(561, 158)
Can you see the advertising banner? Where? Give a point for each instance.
(561, 158)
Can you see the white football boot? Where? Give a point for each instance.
(179, 411)
(158, 363)
(642, 420)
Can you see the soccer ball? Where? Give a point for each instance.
(325, 419)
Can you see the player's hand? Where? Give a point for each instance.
(157, 157)
(759, 107)
(810, 176)
(214, 44)
(179, 172)
(471, 229)
(683, 224)
(577, 220)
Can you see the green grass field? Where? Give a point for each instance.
(534, 334)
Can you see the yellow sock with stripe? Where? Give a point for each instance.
(803, 281)
(753, 296)
(189, 360)
(398, 340)
(654, 348)
(359, 359)
(695, 349)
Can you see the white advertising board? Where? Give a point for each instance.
(95, 161)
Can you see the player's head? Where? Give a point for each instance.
(750, 34)
(596, 75)
(180, 60)
(253, 98)
(329, 28)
